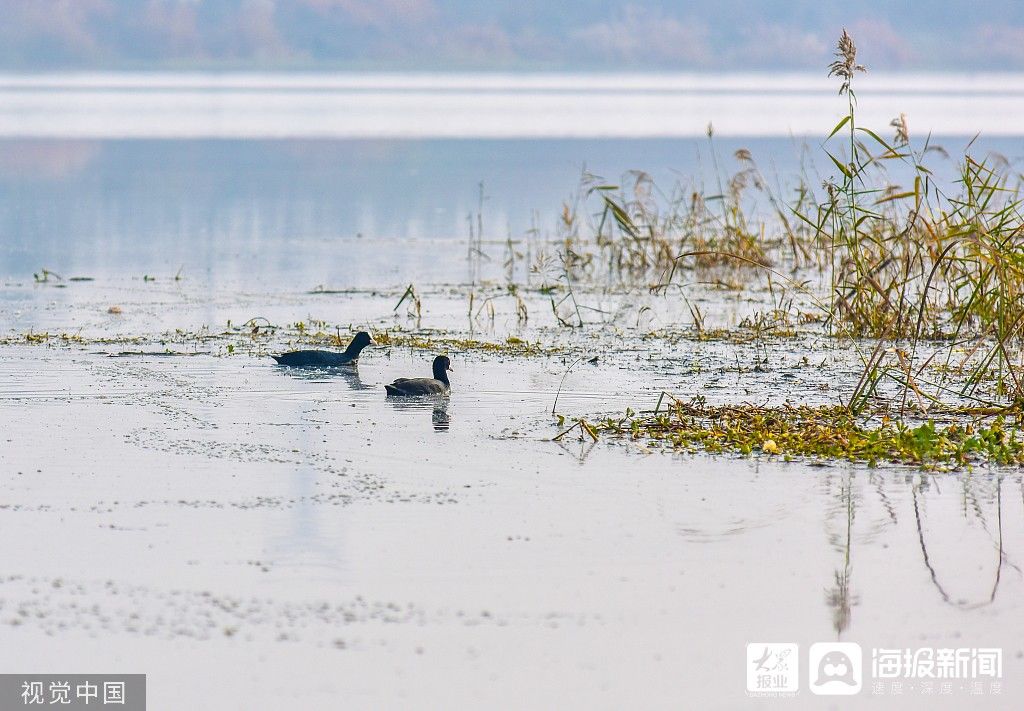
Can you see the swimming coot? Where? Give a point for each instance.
(438, 385)
(327, 359)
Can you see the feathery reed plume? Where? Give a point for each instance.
(846, 62)
(902, 132)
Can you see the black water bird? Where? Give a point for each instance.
(438, 385)
(328, 359)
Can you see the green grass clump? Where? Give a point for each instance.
(816, 432)
(512, 345)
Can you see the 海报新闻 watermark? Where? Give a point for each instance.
(839, 669)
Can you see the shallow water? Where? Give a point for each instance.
(178, 514)
(252, 537)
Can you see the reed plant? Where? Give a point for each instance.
(902, 265)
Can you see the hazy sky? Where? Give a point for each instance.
(527, 34)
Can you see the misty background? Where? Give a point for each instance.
(710, 35)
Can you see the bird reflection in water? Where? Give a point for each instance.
(440, 416)
(436, 404)
(349, 375)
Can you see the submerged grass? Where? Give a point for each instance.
(259, 339)
(511, 345)
(815, 432)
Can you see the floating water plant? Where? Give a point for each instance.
(813, 432)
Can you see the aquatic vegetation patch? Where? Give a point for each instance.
(178, 337)
(256, 336)
(832, 432)
(429, 340)
(512, 345)
(67, 339)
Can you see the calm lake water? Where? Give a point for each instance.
(296, 168)
(315, 543)
(276, 209)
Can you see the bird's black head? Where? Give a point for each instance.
(441, 366)
(361, 341)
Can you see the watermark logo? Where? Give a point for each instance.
(835, 668)
(938, 671)
(773, 669)
(73, 692)
(842, 669)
